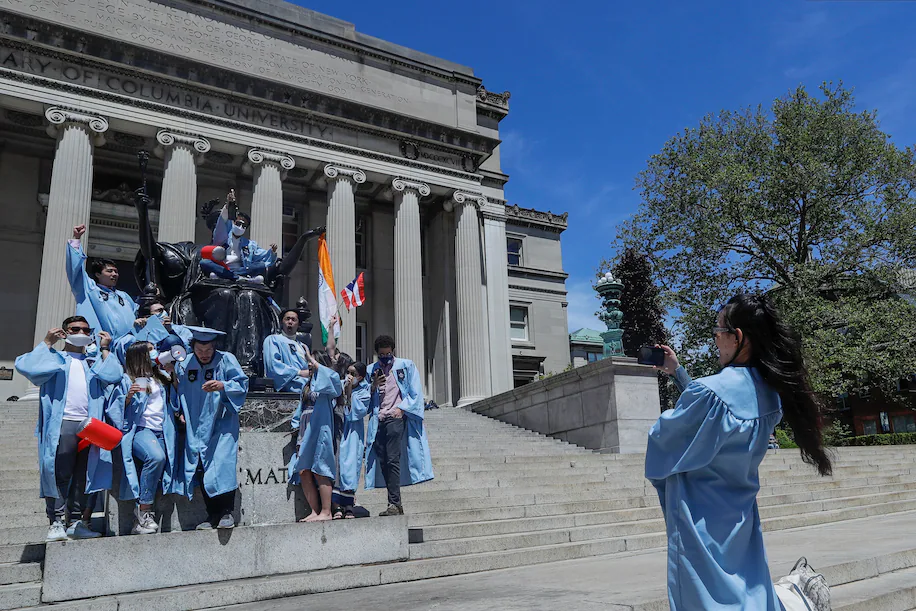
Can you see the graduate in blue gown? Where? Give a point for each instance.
(396, 382)
(703, 458)
(352, 447)
(155, 323)
(284, 359)
(97, 298)
(143, 407)
(315, 460)
(211, 391)
(244, 258)
(63, 404)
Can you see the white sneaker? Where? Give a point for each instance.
(213, 276)
(145, 523)
(56, 532)
(79, 530)
(259, 279)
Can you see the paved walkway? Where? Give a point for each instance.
(609, 583)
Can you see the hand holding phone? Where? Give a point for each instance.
(651, 355)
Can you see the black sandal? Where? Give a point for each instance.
(348, 514)
(337, 512)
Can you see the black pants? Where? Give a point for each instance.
(70, 473)
(219, 505)
(388, 451)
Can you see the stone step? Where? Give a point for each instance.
(26, 534)
(30, 552)
(480, 528)
(19, 572)
(20, 595)
(893, 591)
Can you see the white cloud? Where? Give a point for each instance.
(583, 303)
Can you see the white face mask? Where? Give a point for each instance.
(237, 231)
(79, 340)
(92, 350)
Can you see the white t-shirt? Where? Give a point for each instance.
(77, 406)
(233, 253)
(154, 414)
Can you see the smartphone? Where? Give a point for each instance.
(649, 355)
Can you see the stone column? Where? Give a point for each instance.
(268, 170)
(178, 204)
(494, 228)
(473, 375)
(69, 203)
(341, 233)
(408, 272)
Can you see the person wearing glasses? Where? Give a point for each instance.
(97, 298)
(703, 457)
(72, 389)
(244, 258)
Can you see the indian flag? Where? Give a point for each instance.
(327, 296)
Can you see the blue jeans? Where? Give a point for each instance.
(149, 448)
(255, 269)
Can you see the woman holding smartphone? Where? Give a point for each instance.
(704, 454)
(141, 406)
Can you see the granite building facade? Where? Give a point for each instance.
(312, 123)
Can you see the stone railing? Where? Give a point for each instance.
(607, 406)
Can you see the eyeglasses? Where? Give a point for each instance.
(717, 330)
(83, 330)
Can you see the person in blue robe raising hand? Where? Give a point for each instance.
(703, 457)
(315, 461)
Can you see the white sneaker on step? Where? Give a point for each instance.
(79, 530)
(145, 523)
(56, 532)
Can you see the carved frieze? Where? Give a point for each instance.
(530, 216)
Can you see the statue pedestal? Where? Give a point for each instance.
(613, 342)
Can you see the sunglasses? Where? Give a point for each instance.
(717, 330)
(83, 330)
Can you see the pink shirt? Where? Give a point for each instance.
(389, 395)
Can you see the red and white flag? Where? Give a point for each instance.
(355, 293)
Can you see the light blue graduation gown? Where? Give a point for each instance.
(703, 457)
(284, 358)
(99, 305)
(212, 419)
(353, 439)
(153, 331)
(50, 370)
(316, 445)
(125, 416)
(414, 446)
(249, 250)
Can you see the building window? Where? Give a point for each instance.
(361, 335)
(593, 357)
(514, 250)
(870, 427)
(904, 424)
(290, 228)
(518, 323)
(362, 223)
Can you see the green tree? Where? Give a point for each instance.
(811, 202)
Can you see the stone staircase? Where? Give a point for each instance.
(503, 497)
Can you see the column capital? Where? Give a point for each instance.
(61, 115)
(339, 171)
(264, 157)
(464, 197)
(167, 137)
(403, 184)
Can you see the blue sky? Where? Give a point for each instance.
(599, 86)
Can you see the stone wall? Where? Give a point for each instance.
(607, 406)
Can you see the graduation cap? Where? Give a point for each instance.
(204, 334)
(153, 332)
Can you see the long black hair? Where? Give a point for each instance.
(776, 353)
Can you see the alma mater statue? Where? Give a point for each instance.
(244, 309)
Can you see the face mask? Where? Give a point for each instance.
(386, 360)
(238, 231)
(79, 340)
(92, 350)
(162, 315)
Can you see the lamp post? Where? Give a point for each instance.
(609, 289)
